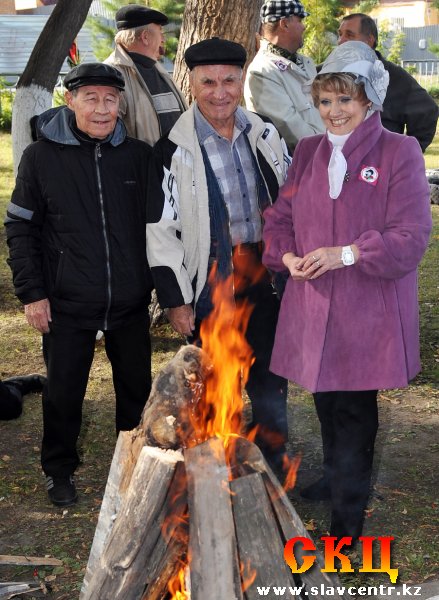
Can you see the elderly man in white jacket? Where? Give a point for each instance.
(276, 78)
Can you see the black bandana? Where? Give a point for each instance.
(282, 52)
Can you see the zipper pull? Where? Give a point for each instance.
(98, 150)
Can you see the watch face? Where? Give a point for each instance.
(347, 257)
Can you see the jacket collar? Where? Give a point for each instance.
(183, 133)
(56, 126)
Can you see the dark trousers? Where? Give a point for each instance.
(267, 391)
(349, 424)
(68, 353)
(11, 402)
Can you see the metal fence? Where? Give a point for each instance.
(426, 72)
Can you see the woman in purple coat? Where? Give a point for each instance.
(351, 225)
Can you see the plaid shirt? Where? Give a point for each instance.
(233, 166)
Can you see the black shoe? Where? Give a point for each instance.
(27, 383)
(319, 490)
(61, 490)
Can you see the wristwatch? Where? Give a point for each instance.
(347, 256)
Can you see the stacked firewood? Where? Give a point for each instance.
(169, 509)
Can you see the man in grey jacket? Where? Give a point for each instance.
(276, 77)
(151, 102)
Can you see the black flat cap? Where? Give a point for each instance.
(215, 52)
(134, 15)
(93, 74)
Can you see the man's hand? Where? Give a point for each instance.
(182, 319)
(38, 315)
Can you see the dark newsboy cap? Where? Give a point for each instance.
(215, 52)
(93, 74)
(134, 15)
(275, 10)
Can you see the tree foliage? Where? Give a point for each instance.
(365, 6)
(434, 48)
(396, 47)
(103, 33)
(321, 25)
(390, 42)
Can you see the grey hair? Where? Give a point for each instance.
(128, 37)
(192, 72)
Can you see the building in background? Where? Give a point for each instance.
(21, 22)
(405, 13)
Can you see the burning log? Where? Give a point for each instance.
(167, 569)
(214, 569)
(249, 459)
(259, 542)
(170, 552)
(120, 573)
(165, 421)
(124, 460)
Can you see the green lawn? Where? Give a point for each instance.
(432, 153)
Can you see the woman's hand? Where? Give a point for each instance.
(319, 261)
(292, 262)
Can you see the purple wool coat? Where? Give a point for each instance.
(354, 328)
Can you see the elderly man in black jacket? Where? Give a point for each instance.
(76, 232)
(408, 108)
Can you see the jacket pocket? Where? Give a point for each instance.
(59, 271)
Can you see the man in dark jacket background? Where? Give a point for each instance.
(408, 108)
(76, 233)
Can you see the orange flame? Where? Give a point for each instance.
(248, 575)
(230, 358)
(217, 407)
(177, 587)
(290, 467)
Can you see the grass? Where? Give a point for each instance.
(405, 503)
(432, 153)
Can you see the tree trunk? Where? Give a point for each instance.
(35, 86)
(236, 20)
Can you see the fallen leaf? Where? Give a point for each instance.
(310, 525)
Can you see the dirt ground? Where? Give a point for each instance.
(404, 503)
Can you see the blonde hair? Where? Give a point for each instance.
(339, 83)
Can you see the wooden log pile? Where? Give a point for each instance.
(167, 506)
